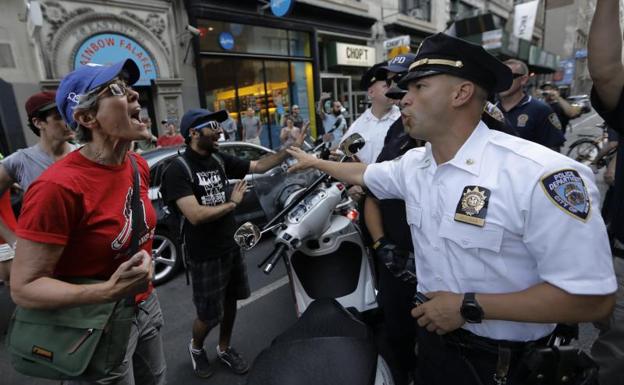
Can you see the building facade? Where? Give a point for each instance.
(237, 54)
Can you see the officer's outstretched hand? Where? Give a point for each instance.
(441, 313)
(304, 160)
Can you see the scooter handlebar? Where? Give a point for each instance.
(274, 257)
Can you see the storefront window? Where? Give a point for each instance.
(220, 36)
(269, 87)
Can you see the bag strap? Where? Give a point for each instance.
(135, 205)
(186, 166)
(220, 162)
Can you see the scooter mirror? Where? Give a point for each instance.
(247, 235)
(352, 144)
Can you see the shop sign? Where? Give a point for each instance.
(281, 8)
(524, 19)
(566, 69)
(108, 48)
(397, 46)
(492, 39)
(351, 55)
(226, 41)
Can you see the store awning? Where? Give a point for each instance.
(506, 46)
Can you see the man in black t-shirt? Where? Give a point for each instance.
(607, 96)
(217, 269)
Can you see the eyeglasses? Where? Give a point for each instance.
(516, 76)
(212, 124)
(118, 88)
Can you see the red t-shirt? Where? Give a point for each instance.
(6, 213)
(86, 207)
(168, 141)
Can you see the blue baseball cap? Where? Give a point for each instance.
(87, 78)
(195, 117)
(400, 63)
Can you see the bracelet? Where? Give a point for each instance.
(380, 242)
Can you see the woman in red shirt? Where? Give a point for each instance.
(76, 218)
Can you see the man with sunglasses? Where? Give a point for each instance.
(217, 268)
(25, 165)
(374, 123)
(531, 119)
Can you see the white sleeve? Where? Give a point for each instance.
(566, 234)
(385, 179)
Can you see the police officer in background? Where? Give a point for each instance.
(392, 244)
(507, 238)
(532, 119)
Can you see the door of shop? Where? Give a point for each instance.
(339, 86)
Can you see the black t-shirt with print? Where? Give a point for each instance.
(210, 239)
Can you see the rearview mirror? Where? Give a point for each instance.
(352, 144)
(247, 235)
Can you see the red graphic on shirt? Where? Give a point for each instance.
(121, 239)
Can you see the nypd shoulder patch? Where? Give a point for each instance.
(554, 120)
(566, 189)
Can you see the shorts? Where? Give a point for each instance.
(214, 280)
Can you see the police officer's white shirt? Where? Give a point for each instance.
(374, 131)
(527, 239)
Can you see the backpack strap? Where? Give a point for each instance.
(186, 166)
(220, 162)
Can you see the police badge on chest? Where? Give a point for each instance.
(472, 206)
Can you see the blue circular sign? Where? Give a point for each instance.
(226, 40)
(109, 48)
(281, 8)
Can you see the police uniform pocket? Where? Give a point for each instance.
(413, 215)
(468, 236)
(473, 251)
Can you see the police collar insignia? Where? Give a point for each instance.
(472, 206)
(566, 190)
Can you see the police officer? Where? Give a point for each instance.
(507, 239)
(393, 251)
(532, 119)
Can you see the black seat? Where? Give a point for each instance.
(325, 317)
(327, 345)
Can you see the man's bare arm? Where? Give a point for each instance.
(350, 173)
(605, 53)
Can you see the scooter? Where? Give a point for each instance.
(331, 280)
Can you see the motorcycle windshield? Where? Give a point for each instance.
(277, 187)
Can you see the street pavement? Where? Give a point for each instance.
(268, 312)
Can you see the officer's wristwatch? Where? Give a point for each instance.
(471, 310)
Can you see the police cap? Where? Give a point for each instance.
(374, 74)
(444, 54)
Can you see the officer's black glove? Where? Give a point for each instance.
(396, 260)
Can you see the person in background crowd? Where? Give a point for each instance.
(218, 272)
(75, 219)
(295, 115)
(564, 110)
(289, 132)
(334, 123)
(25, 165)
(483, 209)
(170, 138)
(607, 96)
(149, 144)
(7, 251)
(532, 119)
(230, 129)
(252, 129)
